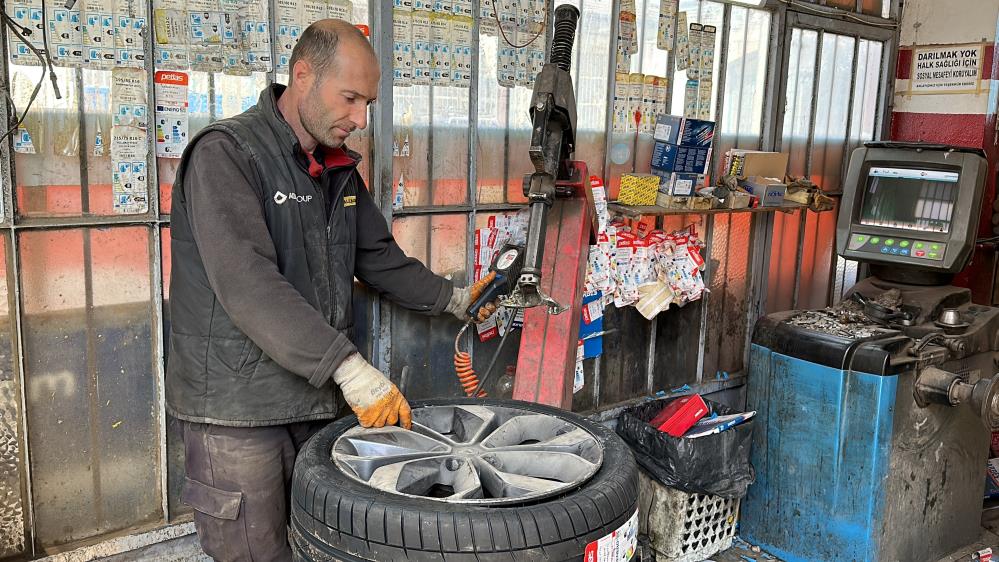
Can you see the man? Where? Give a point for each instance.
(271, 223)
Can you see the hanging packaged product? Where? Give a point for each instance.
(339, 9)
(23, 144)
(170, 93)
(704, 87)
(313, 11)
(170, 31)
(440, 37)
(98, 33)
(506, 67)
(628, 33)
(537, 14)
(667, 20)
(129, 141)
(128, 98)
(622, 87)
(423, 5)
(487, 18)
(508, 12)
(522, 75)
(694, 41)
(690, 100)
(406, 5)
(636, 81)
(251, 52)
(443, 7)
(129, 177)
(462, 8)
(536, 57)
(402, 47)
(65, 34)
(130, 23)
(422, 48)
(682, 43)
(400, 193)
(648, 109)
(26, 14)
(289, 27)
(461, 51)
(708, 52)
(660, 91)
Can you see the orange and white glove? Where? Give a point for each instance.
(463, 298)
(376, 401)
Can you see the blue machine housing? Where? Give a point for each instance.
(848, 466)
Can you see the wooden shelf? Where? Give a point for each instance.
(636, 211)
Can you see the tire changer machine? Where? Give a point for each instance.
(874, 415)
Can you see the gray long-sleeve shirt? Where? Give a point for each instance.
(239, 257)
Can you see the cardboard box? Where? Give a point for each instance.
(748, 163)
(992, 479)
(698, 203)
(769, 190)
(664, 156)
(737, 200)
(697, 133)
(683, 185)
(692, 160)
(668, 129)
(680, 415)
(639, 189)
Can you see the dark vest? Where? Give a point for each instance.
(215, 373)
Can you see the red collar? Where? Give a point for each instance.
(332, 158)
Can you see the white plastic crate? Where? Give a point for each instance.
(684, 527)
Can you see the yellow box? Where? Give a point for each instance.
(638, 189)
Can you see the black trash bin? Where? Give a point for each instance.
(716, 464)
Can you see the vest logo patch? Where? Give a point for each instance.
(350, 201)
(280, 198)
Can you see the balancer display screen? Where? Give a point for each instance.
(910, 199)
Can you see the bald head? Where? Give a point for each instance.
(326, 43)
(333, 79)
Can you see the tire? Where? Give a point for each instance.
(336, 517)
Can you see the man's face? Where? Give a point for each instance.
(337, 103)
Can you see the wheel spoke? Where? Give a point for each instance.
(562, 467)
(476, 432)
(386, 441)
(364, 467)
(500, 484)
(577, 442)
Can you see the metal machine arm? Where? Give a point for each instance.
(553, 115)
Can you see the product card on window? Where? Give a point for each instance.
(402, 47)
(682, 43)
(667, 20)
(289, 27)
(129, 175)
(339, 9)
(462, 8)
(98, 33)
(27, 14)
(128, 98)
(440, 38)
(461, 51)
(65, 33)
(171, 113)
(422, 48)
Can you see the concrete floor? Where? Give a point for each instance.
(186, 549)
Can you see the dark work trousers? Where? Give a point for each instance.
(239, 484)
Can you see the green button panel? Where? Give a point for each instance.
(904, 243)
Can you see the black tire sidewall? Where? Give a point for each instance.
(605, 502)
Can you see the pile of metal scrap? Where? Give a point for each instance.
(845, 319)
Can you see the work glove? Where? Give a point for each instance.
(463, 298)
(376, 401)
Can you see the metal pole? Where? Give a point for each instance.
(381, 169)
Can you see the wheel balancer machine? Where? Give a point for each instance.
(874, 416)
